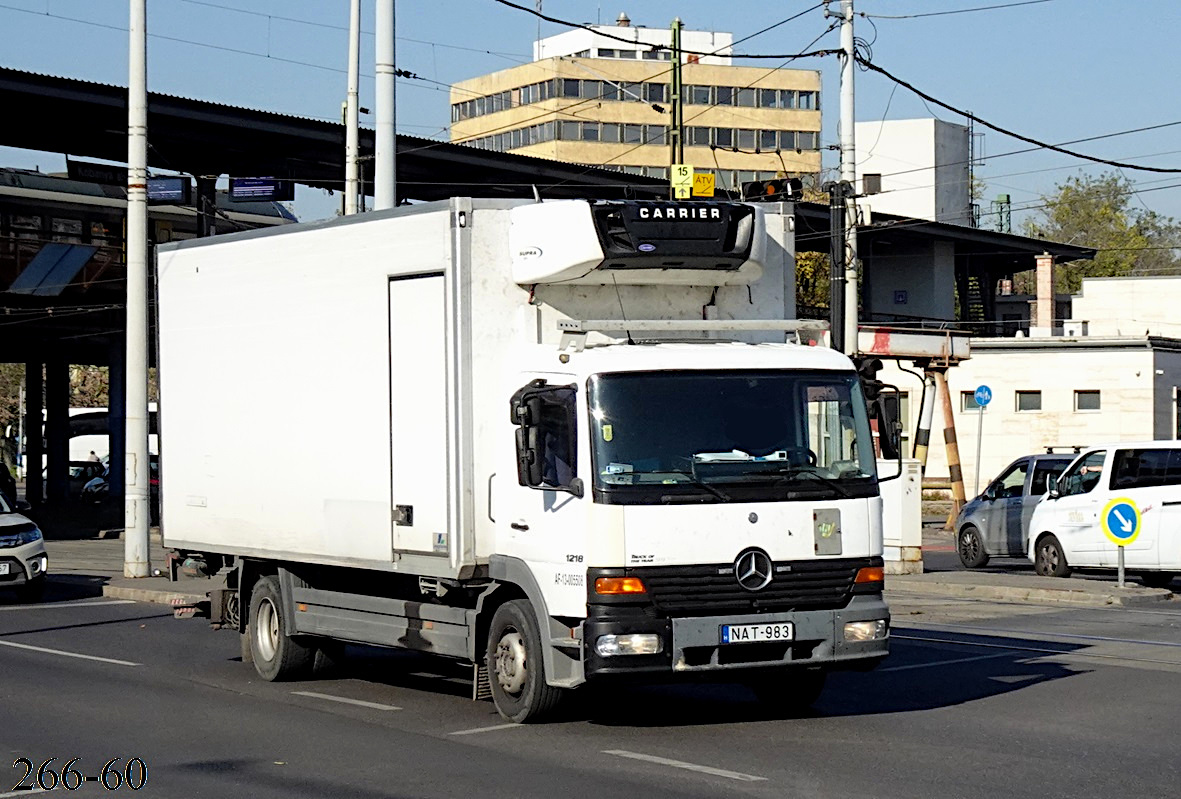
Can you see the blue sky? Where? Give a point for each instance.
(1058, 70)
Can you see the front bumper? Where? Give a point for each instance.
(692, 645)
(25, 564)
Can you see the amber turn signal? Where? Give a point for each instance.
(619, 585)
(871, 574)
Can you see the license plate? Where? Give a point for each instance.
(757, 633)
(4, 568)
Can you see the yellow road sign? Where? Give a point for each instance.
(681, 178)
(703, 184)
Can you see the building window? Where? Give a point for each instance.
(697, 137)
(605, 53)
(655, 134)
(625, 53)
(807, 140)
(570, 131)
(768, 98)
(590, 131)
(724, 137)
(725, 95)
(968, 401)
(768, 140)
(1086, 400)
(609, 133)
(746, 98)
(746, 139)
(571, 88)
(787, 98)
(656, 92)
(808, 101)
(1029, 401)
(633, 134)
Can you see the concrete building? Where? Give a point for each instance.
(1115, 375)
(591, 99)
(921, 166)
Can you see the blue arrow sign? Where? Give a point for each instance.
(983, 396)
(1121, 521)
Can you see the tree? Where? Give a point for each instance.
(1103, 212)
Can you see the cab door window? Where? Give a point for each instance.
(1011, 483)
(1083, 476)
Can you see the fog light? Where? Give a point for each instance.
(630, 644)
(866, 630)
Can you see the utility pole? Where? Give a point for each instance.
(352, 148)
(135, 510)
(385, 190)
(676, 130)
(849, 175)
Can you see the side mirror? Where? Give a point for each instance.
(892, 432)
(545, 437)
(989, 492)
(1052, 490)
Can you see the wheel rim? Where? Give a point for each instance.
(267, 632)
(970, 546)
(511, 670)
(1049, 558)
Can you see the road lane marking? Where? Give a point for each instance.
(493, 728)
(22, 793)
(346, 700)
(664, 761)
(51, 605)
(943, 663)
(64, 653)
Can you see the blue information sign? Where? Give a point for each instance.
(983, 396)
(1121, 521)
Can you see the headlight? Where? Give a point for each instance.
(28, 536)
(631, 644)
(865, 630)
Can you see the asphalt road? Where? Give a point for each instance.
(977, 699)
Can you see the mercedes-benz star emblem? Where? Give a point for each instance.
(753, 569)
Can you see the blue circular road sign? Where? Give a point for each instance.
(983, 396)
(1121, 521)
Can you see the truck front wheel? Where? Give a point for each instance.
(516, 670)
(277, 656)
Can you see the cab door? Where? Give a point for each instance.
(1075, 517)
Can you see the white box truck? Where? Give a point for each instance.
(563, 442)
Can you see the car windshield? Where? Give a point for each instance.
(4, 506)
(730, 436)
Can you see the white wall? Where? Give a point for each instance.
(923, 164)
(1129, 306)
(1129, 397)
(924, 273)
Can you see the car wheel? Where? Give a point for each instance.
(970, 547)
(1049, 560)
(516, 670)
(1157, 579)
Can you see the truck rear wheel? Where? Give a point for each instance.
(277, 656)
(790, 692)
(516, 670)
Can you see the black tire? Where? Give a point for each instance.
(791, 692)
(277, 656)
(1048, 558)
(516, 666)
(970, 547)
(32, 591)
(1157, 579)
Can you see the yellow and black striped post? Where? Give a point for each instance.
(922, 436)
(953, 448)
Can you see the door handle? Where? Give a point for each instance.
(519, 526)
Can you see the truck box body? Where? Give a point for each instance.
(340, 400)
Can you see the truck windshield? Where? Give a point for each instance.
(733, 436)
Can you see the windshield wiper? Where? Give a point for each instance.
(786, 475)
(693, 480)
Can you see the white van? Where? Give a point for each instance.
(1111, 492)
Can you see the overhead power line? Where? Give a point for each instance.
(657, 47)
(953, 11)
(1005, 131)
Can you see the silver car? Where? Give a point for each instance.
(23, 562)
(995, 523)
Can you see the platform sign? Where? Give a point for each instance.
(1121, 521)
(983, 396)
(681, 178)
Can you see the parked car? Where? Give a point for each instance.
(98, 488)
(1107, 493)
(996, 522)
(80, 473)
(23, 562)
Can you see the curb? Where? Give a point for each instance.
(1064, 596)
(152, 595)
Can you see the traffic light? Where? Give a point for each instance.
(778, 190)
